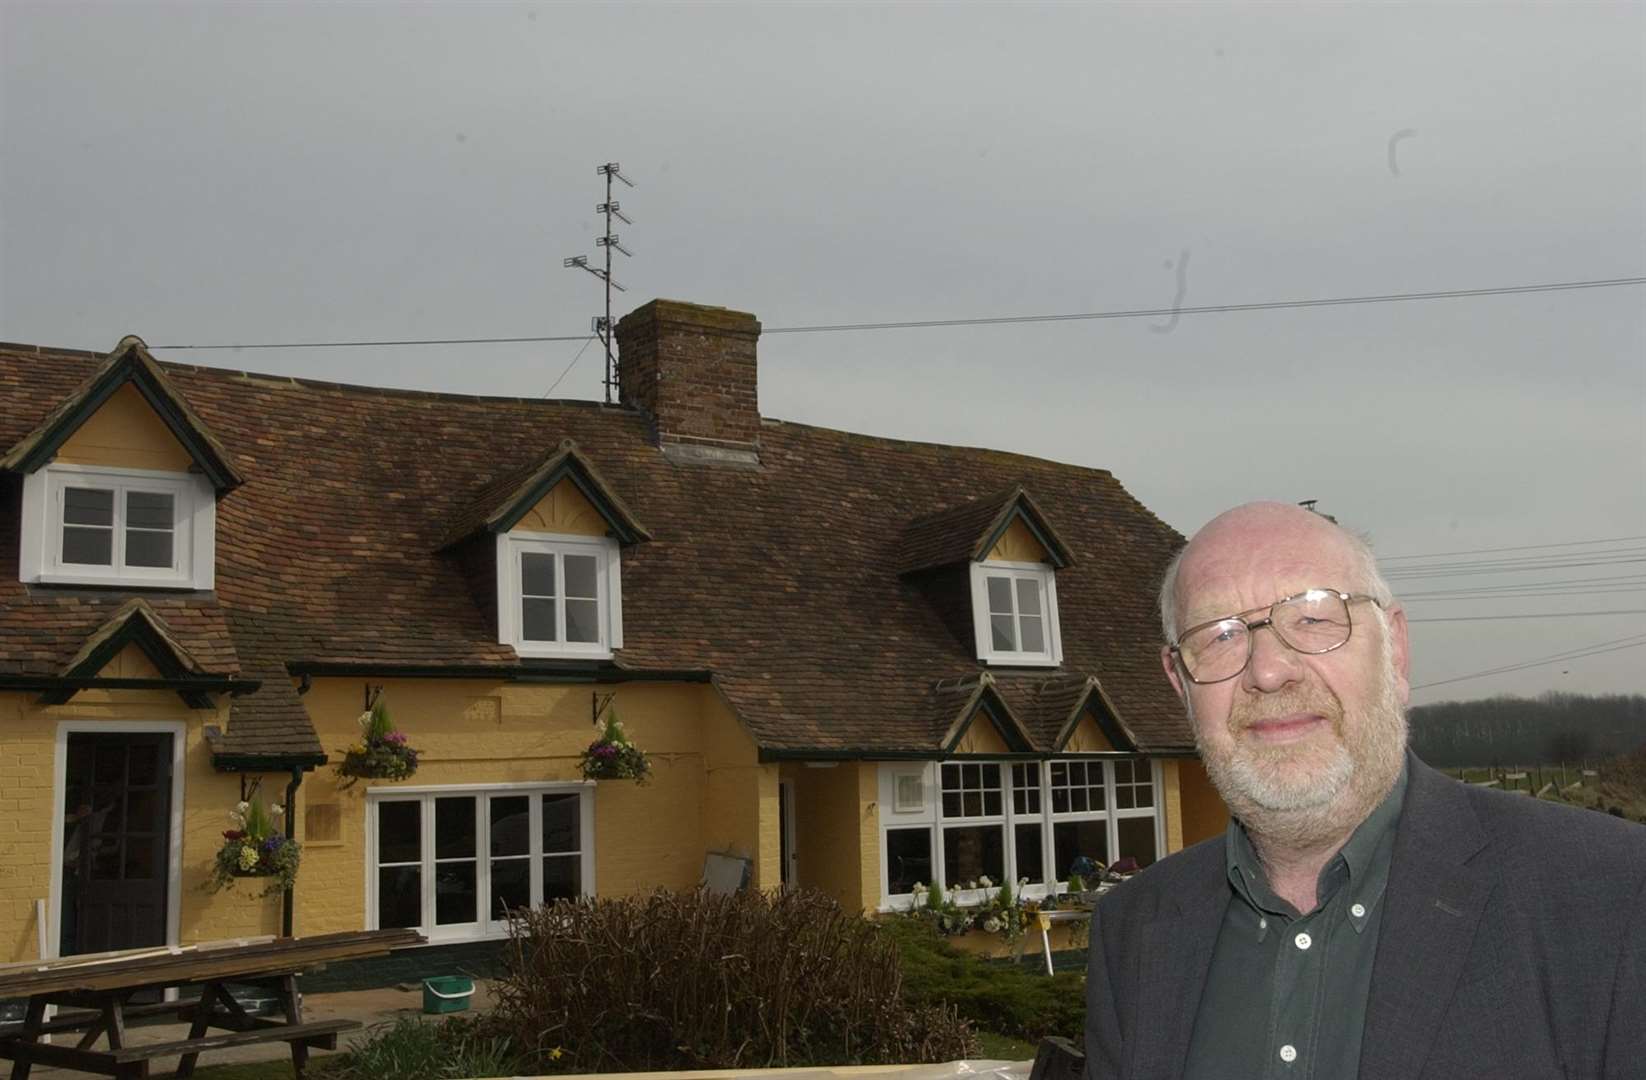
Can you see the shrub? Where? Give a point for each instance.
(1004, 997)
(701, 981)
(410, 1049)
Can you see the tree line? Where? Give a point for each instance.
(1510, 730)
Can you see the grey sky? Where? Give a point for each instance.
(274, 172)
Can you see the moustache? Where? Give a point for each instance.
(1286, 703)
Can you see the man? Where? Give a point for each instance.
(1364, 916)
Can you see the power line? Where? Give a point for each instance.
(1209, 309)
(1597, 649)
(1002, 320)
(1520, 547)
(1526, 615)
(1610, 559)
(1624, 579)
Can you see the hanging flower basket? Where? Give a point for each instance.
(255, 848)
(380, 754)
(614, 757)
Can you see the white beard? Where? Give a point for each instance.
(1316, 790)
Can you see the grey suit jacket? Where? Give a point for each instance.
(1513, 944)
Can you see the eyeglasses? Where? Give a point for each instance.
(1314, 621)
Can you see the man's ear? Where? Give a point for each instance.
(1400, 657)
(1168, 660)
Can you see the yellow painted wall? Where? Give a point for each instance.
(564, 510)
(1204, 814)
(837, 838)
(1171, 804)
(127, 433)
(1017, 544)
(29, 802)
(1088, 738)
(982, 737)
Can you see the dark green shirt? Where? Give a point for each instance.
(1286, 994)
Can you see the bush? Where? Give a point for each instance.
(409, 1049)
(1003, 997)
(699, 981)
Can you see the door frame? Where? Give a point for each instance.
(178, 730)
(790, 874)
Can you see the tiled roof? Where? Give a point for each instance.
(965, 532)
(504, 501)
(783, 581)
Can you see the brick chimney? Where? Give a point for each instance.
(691, 368)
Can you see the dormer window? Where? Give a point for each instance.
(86, 525)
(559, 595)
(1014, 607)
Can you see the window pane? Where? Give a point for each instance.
(140, 862)
(536, 574)
(1072, 839)
(1060, 800)
(1000, 634)
(88, 506)
(972, 775)
(1096, 789)
(1028, 596)
(1060, 773)
(991, 803)
(974, 851)
(1077, 801)
(951, 778)
(562, 878)
(560, 828)
(454, 827)
(582, 620)
(400, 835)
(1145, 794)
(511, 832)
(972, 805)
(1029, 848)
(455, 893)
(148, 548)
(581, 575)
(143, 764)
(1034, 640)
(991, 776)
(88, 547)
(148, 510)
(1000, 596)
(537, 620)
(951, 804)
(1137, 839)
(908, 859)
(399, 896)
(511, 886)
(1123, 796)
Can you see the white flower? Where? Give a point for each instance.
(917, 888)
(984, 882)
(992, 925)
(1022, 881)
(242, 807)
(276, 809)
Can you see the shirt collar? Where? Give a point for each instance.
(1363, 860)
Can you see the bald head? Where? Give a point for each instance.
(1277, 539)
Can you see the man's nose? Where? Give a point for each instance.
(1273, 663)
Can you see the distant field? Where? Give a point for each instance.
(1615, 785)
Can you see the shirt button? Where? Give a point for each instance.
(1288, 1053)
(1303, 942)
(1358, 910)
(1263, 924)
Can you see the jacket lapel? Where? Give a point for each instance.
(1177, 954)
(1436, 894)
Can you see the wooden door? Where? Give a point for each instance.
(116, 841)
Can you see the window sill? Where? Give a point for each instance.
(116, 581)
(537, 652)
(1016, 660)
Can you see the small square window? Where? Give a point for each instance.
(558, 595)
(909, 796)
(85, 525)
(1015, 609)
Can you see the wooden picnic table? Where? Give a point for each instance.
(102, 988)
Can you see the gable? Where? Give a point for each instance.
(982, 737)
(129, 663)
(1018, 544)
(563, 510)
(1087, 738)
(125, 432)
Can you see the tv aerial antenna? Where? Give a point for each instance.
(602, 324)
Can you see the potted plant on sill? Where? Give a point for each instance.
(255, 848)
(613, 757)
(381, 753)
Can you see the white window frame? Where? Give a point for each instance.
(484, 927)
(608, 584)
(930, 817)
(1002, 821)
(1042, 574)
(194, 528)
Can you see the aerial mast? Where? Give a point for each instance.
(602, 324)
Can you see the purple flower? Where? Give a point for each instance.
(395, 738)
(605, 750)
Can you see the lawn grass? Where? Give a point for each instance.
(992, 1046)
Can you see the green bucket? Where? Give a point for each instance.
(446, 994)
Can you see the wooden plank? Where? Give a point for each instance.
(293, 1033)
(278, 957)
(75, 1021)
(26, 1054)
